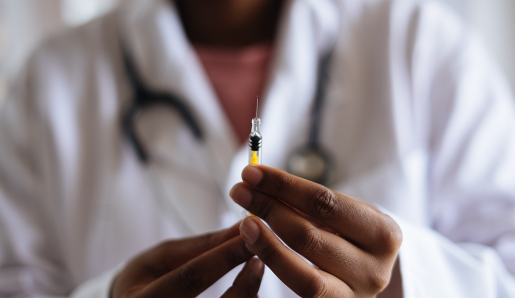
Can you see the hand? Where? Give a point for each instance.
(186, 268)
(353, 253)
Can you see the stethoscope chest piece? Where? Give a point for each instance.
(310, 163)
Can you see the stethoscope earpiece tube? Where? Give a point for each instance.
(312, 162)
(316, 112)
(143, 97)
(128, 129)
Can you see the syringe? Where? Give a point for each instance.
(255, 139)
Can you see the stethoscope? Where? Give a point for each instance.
(310, 161)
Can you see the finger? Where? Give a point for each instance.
(246, 284)
(328, 251)
(294, 272)
(197, 275)
(172, 254)
(354, 220)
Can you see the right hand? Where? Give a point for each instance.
(187, 267)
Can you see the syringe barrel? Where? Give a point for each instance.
(255, 144)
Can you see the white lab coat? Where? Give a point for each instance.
(418, 119)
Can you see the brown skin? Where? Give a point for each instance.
(186, 268)
(354, 254)
(352, 245)
(229, 23)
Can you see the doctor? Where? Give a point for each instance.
(417, 118)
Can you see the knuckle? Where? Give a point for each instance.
(389, 236)
(323, 202)
(264, 209)
(236, 256)
(309, 240)
(203, 242)
(269, 254)
(192, 278)
(251, 288)
(162, 252)
(378, 281)
(247, 293)
(282, 184)
(207, 239)
(316, 287)
(163, 248)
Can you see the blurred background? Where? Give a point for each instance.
(24, 23)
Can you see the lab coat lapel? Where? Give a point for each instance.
(167, 62)
(308, 30)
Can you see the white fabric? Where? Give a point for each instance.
(418, 120)
(494, 21)
(99, 287)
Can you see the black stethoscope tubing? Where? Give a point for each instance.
(143, 97)
(313, 150)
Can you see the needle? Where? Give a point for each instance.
(257, 103)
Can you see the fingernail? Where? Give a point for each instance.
(252, 175)
(241, 195)
(258, 267)
(250, 230)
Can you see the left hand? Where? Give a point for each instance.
(187, 267)
(353, 253)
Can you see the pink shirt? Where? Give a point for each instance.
(237, 76)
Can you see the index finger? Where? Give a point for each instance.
(172, 254)
(197, 275)
(354, 220)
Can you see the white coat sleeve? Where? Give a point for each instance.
(32, 260)
(433, 266)
(471, 140)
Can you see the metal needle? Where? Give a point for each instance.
(257, 104)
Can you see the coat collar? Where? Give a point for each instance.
(167, 62)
